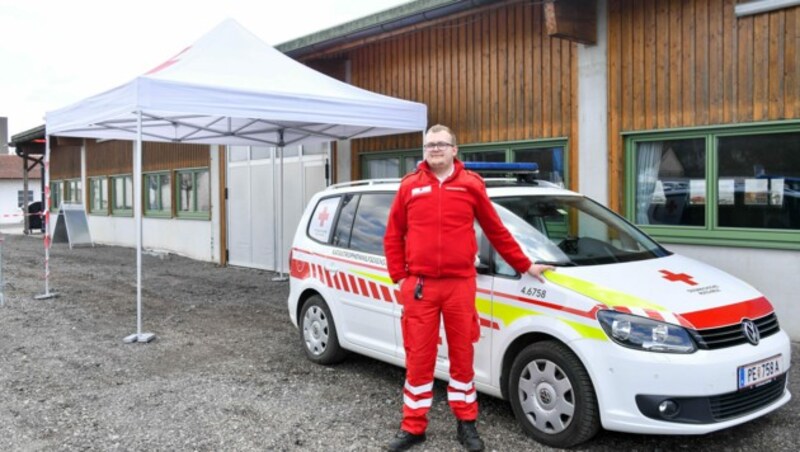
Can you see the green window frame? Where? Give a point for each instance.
(513, 151)
(715, 192)
(157, 195)
(193, 193)
(98, 195)
(121, 194)
(55, 195)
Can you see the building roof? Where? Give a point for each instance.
(401, 16)
(11, 168)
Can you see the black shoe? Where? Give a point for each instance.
(404, 441)
(468, 436)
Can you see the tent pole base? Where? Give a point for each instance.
(281, 278)
(45, 296)
(143, 337)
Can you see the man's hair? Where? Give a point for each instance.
(441, 128)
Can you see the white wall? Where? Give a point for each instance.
(593, 113)
(9, 212)
(190, 238)
(773, 272)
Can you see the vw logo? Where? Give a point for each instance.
(545, 397)
(750, 331)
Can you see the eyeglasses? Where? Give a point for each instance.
(439, 145)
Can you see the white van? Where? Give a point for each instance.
(624, 334)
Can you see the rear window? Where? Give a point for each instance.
(321, 224)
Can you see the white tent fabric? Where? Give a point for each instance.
(227, 88)
(232, 88)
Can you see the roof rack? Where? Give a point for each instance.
(524, 172)
(358, 183)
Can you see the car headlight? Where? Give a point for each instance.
(645, 334)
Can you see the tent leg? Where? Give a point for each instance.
(279, 251)
(46, 218)
(137, 213)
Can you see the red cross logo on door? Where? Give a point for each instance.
(682, 277)
(323, 216)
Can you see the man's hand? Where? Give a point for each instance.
(536, 270)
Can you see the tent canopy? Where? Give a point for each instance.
(230, 87)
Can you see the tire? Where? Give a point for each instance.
(318, 332)
(552, 395)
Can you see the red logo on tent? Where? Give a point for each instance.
(168, 63)
(323, 216)
(682, 277)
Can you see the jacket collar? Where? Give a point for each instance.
(458, 166)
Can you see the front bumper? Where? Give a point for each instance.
(630, 385)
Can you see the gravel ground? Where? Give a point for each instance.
(226, 371)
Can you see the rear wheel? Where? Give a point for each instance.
(552, 396)
(318, 332)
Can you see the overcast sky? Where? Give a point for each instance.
(56, 52)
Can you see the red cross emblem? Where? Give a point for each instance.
(323, 216)
(682, 277)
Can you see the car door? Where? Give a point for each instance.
(358, 269)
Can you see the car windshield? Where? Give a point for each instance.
(573, 230)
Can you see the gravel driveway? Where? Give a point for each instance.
(226, 371)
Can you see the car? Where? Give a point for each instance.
(623, 335)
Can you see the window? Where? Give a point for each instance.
(158, 195)
(344, 225)
(55, 195)
(369, 225)
(549, 155)
(98, 195)
(737, 186)
(72, 191)
(122, 194)
(320, 225)
(193, 193)
(21, 197)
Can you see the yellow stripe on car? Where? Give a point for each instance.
(378, 278)
(508, 314)
(605, 295)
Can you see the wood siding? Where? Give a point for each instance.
(116, 157)
(678, 63)
(65, 162)
(492, 75)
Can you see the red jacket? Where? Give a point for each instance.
(430, 230)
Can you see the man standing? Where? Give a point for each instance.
(430, 250)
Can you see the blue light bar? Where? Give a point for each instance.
(497, 167)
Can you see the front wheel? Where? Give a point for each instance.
(318, 332)
(552, 395)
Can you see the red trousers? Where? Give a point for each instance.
(452, 299)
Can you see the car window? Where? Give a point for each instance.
(344, 224)
(321, 223)
(370, 222)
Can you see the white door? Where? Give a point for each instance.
(254, 202)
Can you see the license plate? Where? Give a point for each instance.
(759, 372)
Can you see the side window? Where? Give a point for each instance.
(369, 226)
(344, 225)
(321, 223)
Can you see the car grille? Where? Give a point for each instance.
(738, 403)
(729, 336)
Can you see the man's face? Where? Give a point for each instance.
(441, 155)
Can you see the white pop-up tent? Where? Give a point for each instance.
(228, 88)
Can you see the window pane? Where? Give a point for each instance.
(485, 156)
(128, 192)
(411, 163)
(341, 236)
(238, 153)
(383, 168)
(759, 181)
(370, 223)
(166, 194)
(103, 194)
(261, 152)
(671, 182)
(153, 197)
(203, 191)
(550, 161)
(119, 193)
(78, 197)
(186, 192)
